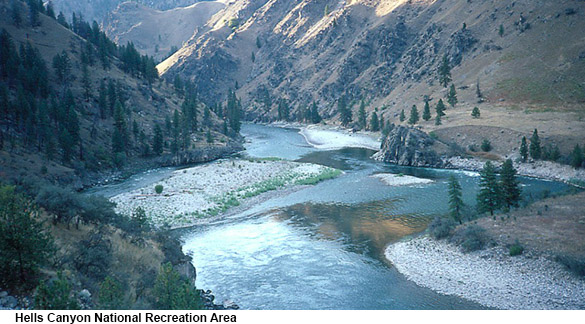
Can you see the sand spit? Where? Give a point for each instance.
(400, 180)
(192, 194)
(490, 277)
(332, 138)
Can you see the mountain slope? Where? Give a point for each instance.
(127, 110)
(528, 58)
(132, 22)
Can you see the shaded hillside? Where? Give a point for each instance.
(141, 25)
(98, 9)
(75, 107)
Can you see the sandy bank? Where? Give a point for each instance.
(490, 277)
(332, 138)
(400, 180)
(208, 190)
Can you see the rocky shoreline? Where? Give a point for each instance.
(490, 277)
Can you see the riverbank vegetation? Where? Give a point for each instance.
(63, 250)
(515, 223)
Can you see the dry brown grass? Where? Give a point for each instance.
(554, 226)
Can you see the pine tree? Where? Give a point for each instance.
(62, 20)
(427, 111)
(478, 90)
(535, 148)
(413, 119)
(440, 109)
(577, 157)
(315, 117)
(445, 72)
(157, 143)
(455, 199)
(510, 186)
(33, 13)
(475, 113)
(344, 111)
(438, 120)
(452, 96)
(382, 123)
(362, 115)
(489, 196)
(402, 116)
(176, 132)
(524, 149)
(86, 82)
(501, 31)
(25, 243)
(50, 10)
(103, 100)
(120, 134)
(374, 122)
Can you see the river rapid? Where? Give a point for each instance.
(322, 247)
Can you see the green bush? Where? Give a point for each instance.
(516, 249)
(111, 295)
(55, 294)
(441, 227)
(173, 292)
(158, 189)
(486, 145)
(470, 238)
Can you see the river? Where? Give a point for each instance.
(322, 247)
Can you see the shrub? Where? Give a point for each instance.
(158, 189)
(486, 146)
(441, 227)
(94, 256)
(516, 249)
(111, 295)
(55, 294)
(573, 264)
(470, 238)
(173, 292)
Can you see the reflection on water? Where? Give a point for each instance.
(365, 228)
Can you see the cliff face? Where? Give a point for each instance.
(410, 147)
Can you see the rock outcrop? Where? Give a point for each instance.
(410, 147)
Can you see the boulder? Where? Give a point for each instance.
(410, 147)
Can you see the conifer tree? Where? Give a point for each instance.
(452, 96)
(157, 143)
(374, 122)
(382, 123)
(535, 148)
(475, 113)
(25, 243)
(510, 186)
(402, 116)
(362, 115)
(489, 196)
(86, 82)
(16, 13)
(315, 117)
(33, 13)
(413, 119)
(344, 111)
(524, 149)
(427, 111)
(455, 199)
(103, 100)
(577, 157)
(445, 72)
(478, 90)
(119, 137)
(440, 109)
